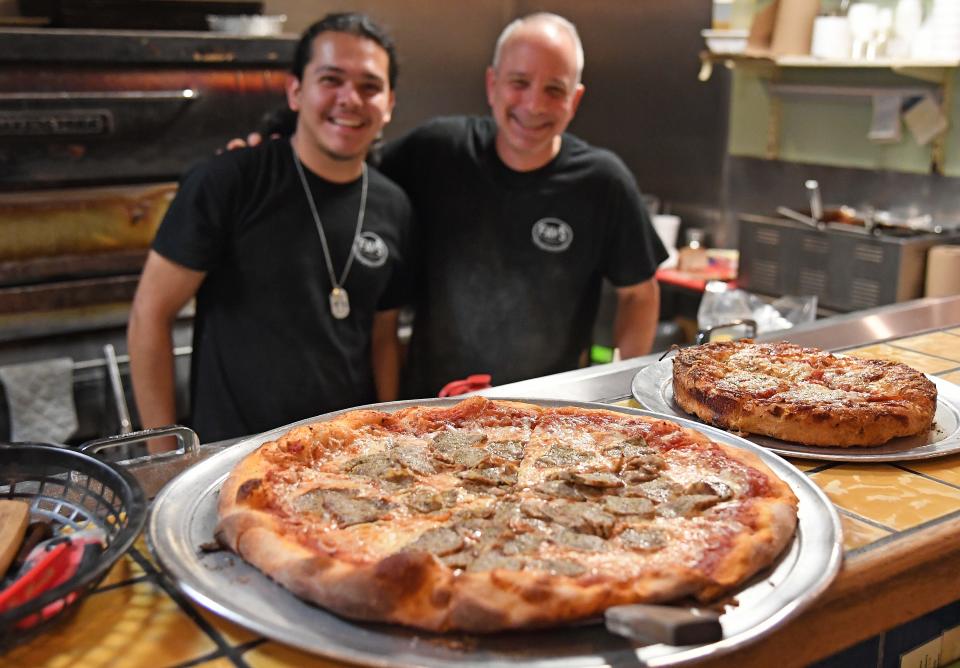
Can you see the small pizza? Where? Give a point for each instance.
(489, 515)
(804, 395)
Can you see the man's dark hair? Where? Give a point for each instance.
(351, 23)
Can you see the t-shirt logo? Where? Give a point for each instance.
(552, 235)
(370, 250)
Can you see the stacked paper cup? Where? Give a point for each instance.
(945, 18)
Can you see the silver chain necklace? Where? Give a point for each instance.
(339, 299)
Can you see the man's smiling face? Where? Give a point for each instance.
(344, 97)
(533, 93)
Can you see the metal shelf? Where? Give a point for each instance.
(931, 70)
(936, 73)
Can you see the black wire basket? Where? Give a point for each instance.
(72, 491)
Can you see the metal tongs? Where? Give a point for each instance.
(815, 219)
(816, 202)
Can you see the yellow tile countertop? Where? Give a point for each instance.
(901, 524)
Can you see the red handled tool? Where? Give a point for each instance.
(50, 564)
(477, 381)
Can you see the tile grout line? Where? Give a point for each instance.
(123, 583)
(898, 533)
(893, 344)
(929, 477)
(866, 520)
(825, 466)
(210, 656)
(158, 578)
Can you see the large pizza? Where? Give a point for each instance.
(489, 515)
(801, 394)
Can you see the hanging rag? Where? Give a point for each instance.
(40, 398)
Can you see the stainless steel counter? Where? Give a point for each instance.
(612, 381)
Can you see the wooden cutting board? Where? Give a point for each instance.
(14, 517)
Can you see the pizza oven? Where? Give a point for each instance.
(95, 129)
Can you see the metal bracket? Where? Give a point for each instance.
(703, 336)
(189, 442)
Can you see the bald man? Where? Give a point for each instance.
(520, 221)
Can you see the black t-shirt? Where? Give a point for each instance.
(510, 276)
(266, 350)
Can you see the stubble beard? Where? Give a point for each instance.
(317, 144)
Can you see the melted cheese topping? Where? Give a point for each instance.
(747, 381)
(591, 445)
(812, 393)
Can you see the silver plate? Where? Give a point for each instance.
(652, 387)
(184, 515)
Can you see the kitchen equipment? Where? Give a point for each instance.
(730, 15)
(847, 266)
(907, 19)
(800, 217)
(652, 387)
(72, 491)
(816, 203)
(153, 471)
(945, 17)
(185, 513)
(863, 24)
(831, 38)
(149, 14)
(95, 129)
(726, 41)
(247, 24)
(665, 624)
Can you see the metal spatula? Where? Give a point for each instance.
(666, 624)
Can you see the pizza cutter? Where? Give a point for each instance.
(667, 624)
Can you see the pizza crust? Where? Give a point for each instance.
(334, 567)
(803, 395)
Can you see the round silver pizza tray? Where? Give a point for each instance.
(184, 515)
(652, 387)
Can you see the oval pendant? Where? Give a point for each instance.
(339, 303)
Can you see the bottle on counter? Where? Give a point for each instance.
(693, 256)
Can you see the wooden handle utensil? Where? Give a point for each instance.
(14, 518)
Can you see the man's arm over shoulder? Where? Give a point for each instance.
(405, 158)
(164, 288)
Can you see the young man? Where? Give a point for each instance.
(296, 254)
(520, 222)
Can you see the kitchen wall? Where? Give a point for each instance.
(777, 141)
(643, 99)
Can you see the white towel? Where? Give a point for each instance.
(40, 397)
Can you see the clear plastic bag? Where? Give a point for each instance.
(720, 306)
